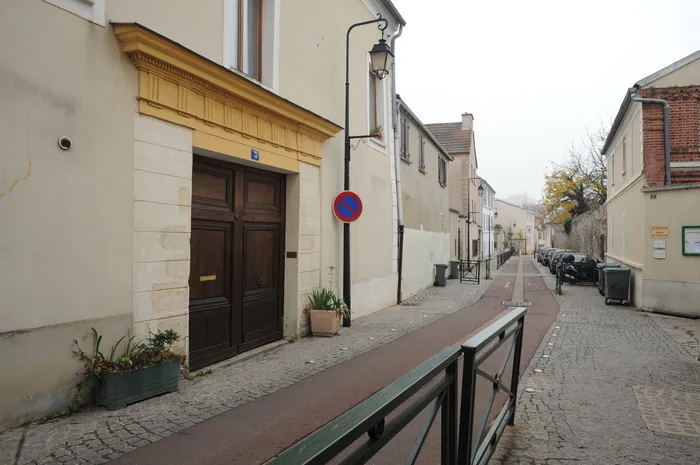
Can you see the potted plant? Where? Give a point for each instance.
(143, 370)
(326, 310)
(377, 132)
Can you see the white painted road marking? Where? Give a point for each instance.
(507, 284)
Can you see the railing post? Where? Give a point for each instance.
(466, 416)
(515, 377)
(449, 418)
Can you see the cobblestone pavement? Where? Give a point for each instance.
(94, 437)
(684, 331)
(614, 388)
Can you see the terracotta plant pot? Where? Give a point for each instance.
(325, 322)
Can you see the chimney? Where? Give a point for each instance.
(467, 121)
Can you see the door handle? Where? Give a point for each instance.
(260, 280)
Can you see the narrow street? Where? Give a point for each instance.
(616, 386)
(277, 398)
(258, 430)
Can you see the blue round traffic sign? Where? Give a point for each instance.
(347, 206)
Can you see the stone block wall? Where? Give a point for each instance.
(162, 219)
(588, 234)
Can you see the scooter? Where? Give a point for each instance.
(580, 272)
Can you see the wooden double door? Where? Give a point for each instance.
(236, 272)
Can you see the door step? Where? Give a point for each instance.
(244, 356)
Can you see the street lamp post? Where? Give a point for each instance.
(381, 58)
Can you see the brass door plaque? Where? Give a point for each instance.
(211, 277)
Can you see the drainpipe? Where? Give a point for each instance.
(397, 166)
(667, 133)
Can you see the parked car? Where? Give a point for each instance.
(541, 253)
(548, 256)
(554, 260)
(579, 267)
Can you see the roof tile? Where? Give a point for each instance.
(452, 136)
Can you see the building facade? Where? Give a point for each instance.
(654, 187)
(531, 232)
(425, 202)
(488, 209)
(465, 205)
(517, 224)
(180, 164)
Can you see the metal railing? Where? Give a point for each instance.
(470, 271)
(476, 449)
(501, 258)
(434, 384)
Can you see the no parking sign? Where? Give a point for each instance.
(347, 206)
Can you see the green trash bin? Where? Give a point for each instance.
(601, 275)
(617, 285)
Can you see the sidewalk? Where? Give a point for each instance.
(614, 388)
(99, 435)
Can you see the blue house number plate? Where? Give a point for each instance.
(254, 154)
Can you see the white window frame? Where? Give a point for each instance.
(442, 171)
(92, 10)
(421, 153)
(270, 42)
(404, 142)
(612, 169)
(624, 155)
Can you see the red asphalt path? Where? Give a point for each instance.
(258, 430)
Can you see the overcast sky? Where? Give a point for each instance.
(535, 74)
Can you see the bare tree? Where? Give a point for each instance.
(580, 183)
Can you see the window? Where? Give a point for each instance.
(246, 37)
(612, 169)
(421, 153)
(624, 156)
(373, 124)
(405, 154)
(442, 171)
(475, 247)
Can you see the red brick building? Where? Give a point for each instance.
(653, 153)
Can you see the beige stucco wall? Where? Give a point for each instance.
(621, 175)
(688, 75)
(625, 211)
(67, 216)
(454, 182)
(507, 214)
(98, 236)
(672, 283)
(322, 77)
(198, 25)
(425, 201)
(626, 233)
